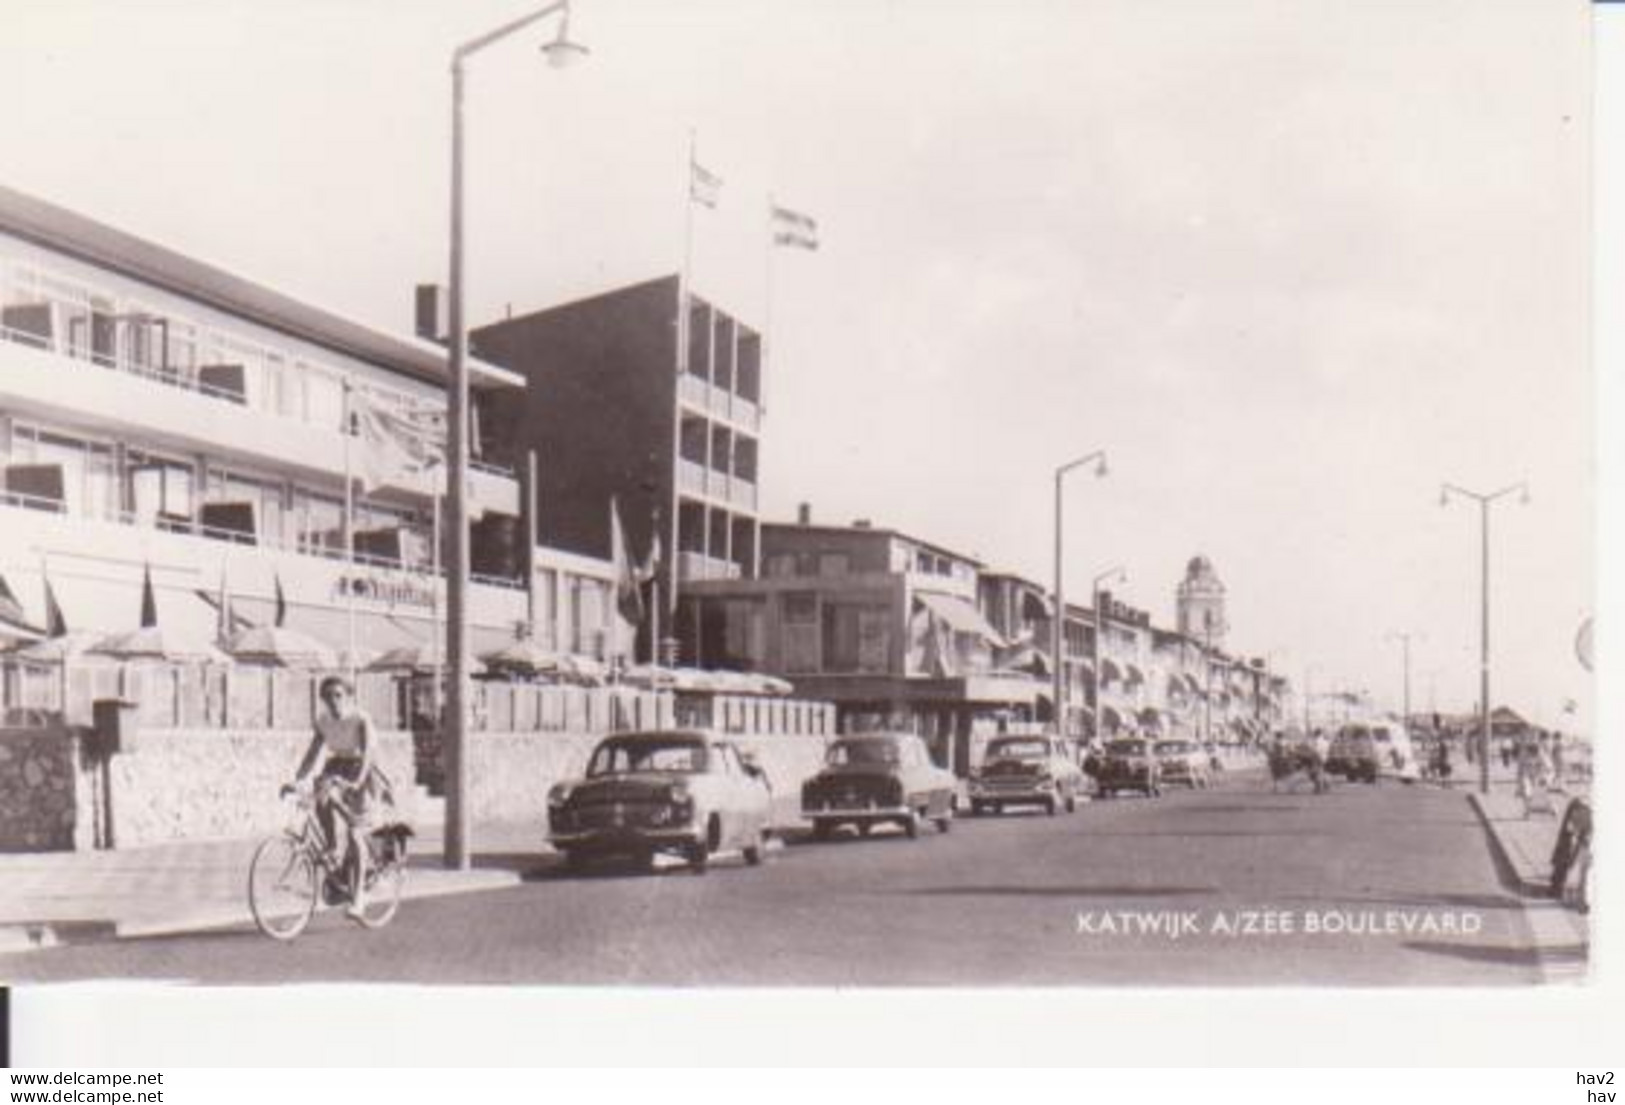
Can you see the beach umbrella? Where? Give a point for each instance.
(414, 658)
(583, 669)
(152, 642)
(279, 646)
(524, 656)
(651, 676)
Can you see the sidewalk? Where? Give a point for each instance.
(49, 899)
(1559, 934)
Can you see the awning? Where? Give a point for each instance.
(1110, 670)
(960, 615)
(1111, 718)
(1135, 675)
(1151, 718)
(1191, 684)
(1035, 605)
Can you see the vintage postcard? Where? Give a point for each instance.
(723, 494)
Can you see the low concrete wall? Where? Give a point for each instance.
(46, 799)
(58, 793)
(179, 783)
(511, 773)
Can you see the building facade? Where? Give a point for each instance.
(886, 626)
(617, 406)
(163, 418)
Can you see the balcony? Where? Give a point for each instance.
(698, 566)
(691, 477)
(149, 408)
(720, 403)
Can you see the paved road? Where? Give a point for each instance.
(1021, 900)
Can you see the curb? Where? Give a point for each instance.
(1521, 874)
(1558, 936)
(42, 936)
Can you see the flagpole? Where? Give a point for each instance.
(349, 523)
(684, 312)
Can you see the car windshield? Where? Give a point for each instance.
(874, 751)
(1126, 748)
(1174, 748)
(677, 755)
(1018, 750)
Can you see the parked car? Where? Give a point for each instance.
(1571, 856)
(687, 793)
(1354, 755)
(875, 779)
(1027, 771)
(1127, 763)
(1183, 761)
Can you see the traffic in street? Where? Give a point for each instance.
(1236, 884)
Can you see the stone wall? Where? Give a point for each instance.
(180, 783)
(46, 802)
(58, 793)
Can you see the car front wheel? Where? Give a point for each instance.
(911, 824)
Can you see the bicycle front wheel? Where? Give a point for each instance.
(383, 895)
(282, 887)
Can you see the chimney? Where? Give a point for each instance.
(862, 523)
(431, 314)
(804, 514)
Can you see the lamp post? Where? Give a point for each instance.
(1483, 501)
(1405, 641)
(560, 52)
(1308, 671)
(1120, 574)
(1058, 629)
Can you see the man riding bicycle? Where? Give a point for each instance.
(345, 785)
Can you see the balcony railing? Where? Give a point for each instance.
(698, 566)
(691, 477)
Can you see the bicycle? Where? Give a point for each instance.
(297, 869)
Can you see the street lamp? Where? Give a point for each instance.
(1058, 632)
(559, 53)
(1483, 501)
(1119, 573)
(1405, 640)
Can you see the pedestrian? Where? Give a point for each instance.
(1506, 755)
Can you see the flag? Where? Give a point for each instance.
(11, 611)
(149, 604)
(704, 186)
(792, 228)
(398, 443)
(651, 563)
(628, 596)
(55, 624)
(223, 628)
(281, 603)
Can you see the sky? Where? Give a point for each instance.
(1291, 265)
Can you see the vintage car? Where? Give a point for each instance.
(1183, 761)
(875, 779)
(1353, 754)
(1127, 763)
(1027, 771)
(687, 793)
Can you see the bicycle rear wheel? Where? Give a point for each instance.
(383, 895)
(282, 887)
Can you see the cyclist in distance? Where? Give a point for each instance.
(345, 783)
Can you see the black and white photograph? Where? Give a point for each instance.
(756, 494)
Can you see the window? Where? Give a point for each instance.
(160, 489)
(801, 631)
(834, 564)
(79, 475)
(856, 638)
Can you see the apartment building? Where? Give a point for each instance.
(163, 417)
